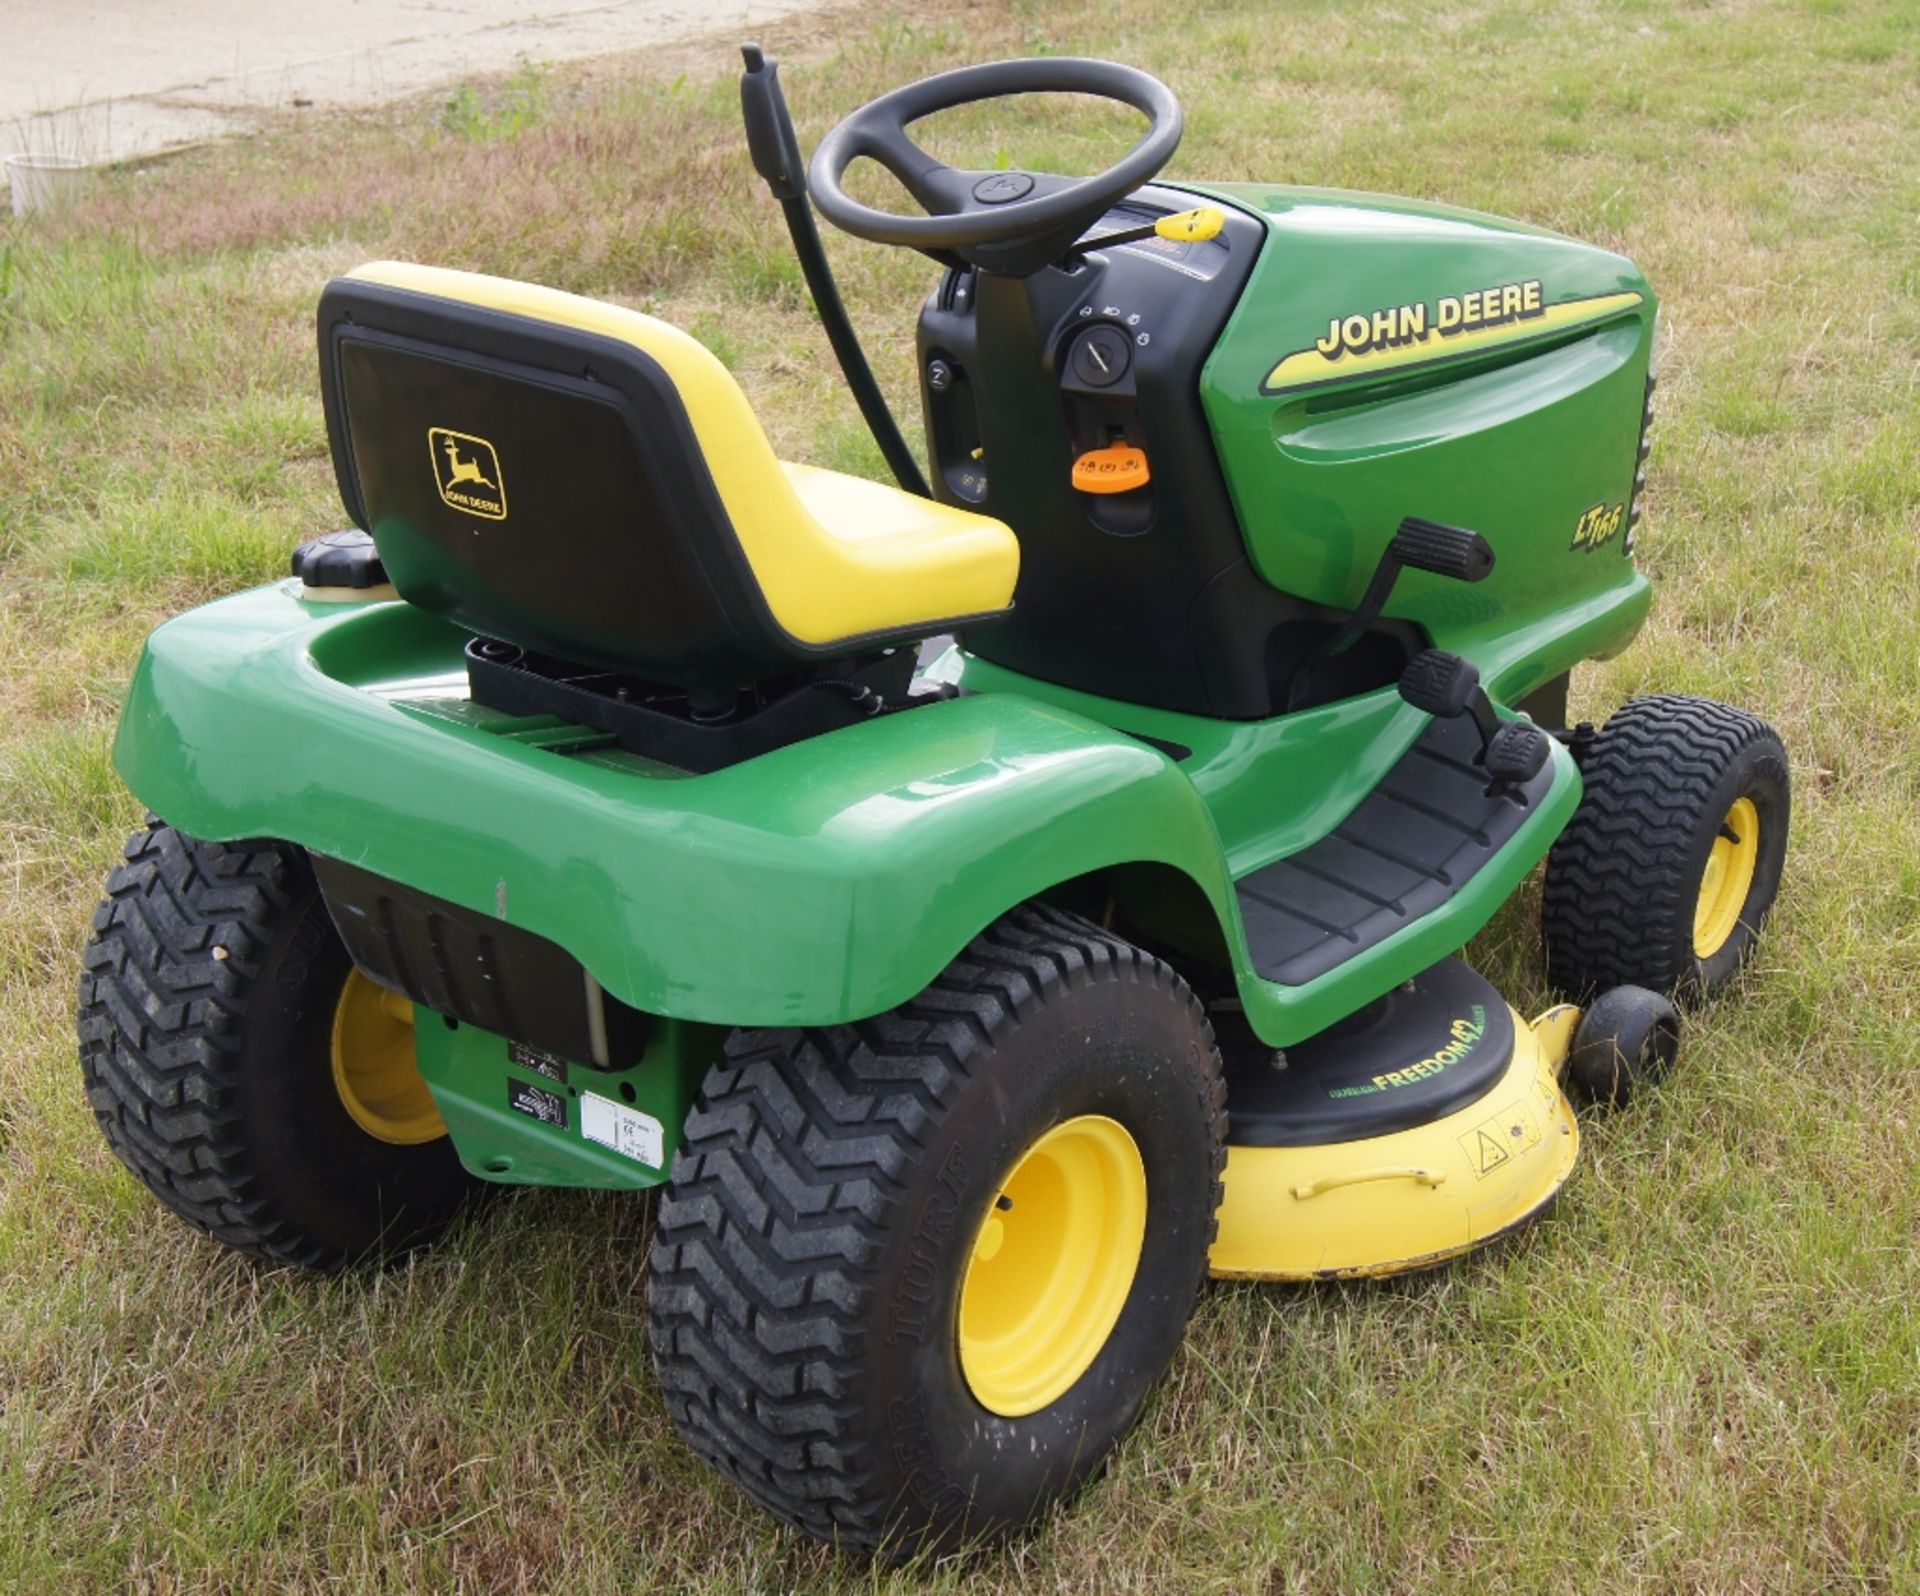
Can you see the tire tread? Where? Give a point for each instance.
(794, 1157)
(1616, 893)
(165, 976)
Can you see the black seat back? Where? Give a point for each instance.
(537, 482)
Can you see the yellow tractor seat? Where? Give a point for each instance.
(589, 482)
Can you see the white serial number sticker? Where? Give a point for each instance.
(627, 1131)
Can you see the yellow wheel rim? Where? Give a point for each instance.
(374, 1067)
(1728, 879)
(1052, 1264)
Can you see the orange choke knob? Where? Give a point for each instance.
(1113, 469)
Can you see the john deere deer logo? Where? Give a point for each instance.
(467, 472)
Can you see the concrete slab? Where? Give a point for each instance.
(109, 79)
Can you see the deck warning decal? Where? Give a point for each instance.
(627, 1131)
(536, 1102)
(1488, 1154)
(1494, 1143)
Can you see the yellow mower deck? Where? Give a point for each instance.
(1412, 1198)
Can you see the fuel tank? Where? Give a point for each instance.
(1391, 358)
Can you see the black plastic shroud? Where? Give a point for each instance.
(1427, 1049)
(1148, 595)
(474, 969)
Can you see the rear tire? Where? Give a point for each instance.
(810, 1274)
(1664, 876)
(208, 1006)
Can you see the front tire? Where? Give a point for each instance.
(1666, 873)
(914, 1278)
(245, 1072)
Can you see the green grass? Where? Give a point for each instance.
(1701, 1373)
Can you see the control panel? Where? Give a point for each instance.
(1067, 404)
(1105, 305)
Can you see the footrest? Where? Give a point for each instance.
(1420, 836)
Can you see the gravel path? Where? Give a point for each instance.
(108, 79)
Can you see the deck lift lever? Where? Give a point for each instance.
(776, 157)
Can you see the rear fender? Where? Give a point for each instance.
(824, 882)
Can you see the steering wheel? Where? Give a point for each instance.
(1008, 221)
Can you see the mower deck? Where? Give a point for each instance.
(1425, 1127)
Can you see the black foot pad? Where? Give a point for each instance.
(1406, 1059)
(1440, 683)
(1416, 840)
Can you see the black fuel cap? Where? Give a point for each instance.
(339, 559)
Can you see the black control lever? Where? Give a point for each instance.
(1418, 544)
(1424, 546)
(775, 148)
(1445, 685)
(1444, 550)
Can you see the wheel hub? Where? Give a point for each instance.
(1728, 879)
(374, 1067)
(1052, 1265)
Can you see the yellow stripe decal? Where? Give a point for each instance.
(1412, 335)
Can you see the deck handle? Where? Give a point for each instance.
(1326, 1183)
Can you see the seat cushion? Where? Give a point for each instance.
(886, 554)
(836, 559)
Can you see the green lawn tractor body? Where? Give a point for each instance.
(984, 910)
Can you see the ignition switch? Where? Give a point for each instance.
(1100, 356)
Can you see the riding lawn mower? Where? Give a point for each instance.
(988, 905)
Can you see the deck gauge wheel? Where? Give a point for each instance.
(1626, 1041)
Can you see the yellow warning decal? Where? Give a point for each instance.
(466, 470)
(1418, 334)
(1496, 1142)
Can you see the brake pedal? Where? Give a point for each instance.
(1516, 752)
(1444, 685)
(1440, 684)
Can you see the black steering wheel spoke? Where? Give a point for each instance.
(938, 190)
(882, 137)
(1008, 221)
